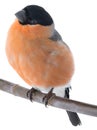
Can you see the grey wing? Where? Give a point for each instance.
(56, 36)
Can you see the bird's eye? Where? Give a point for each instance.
(29, 18)
(33, 21)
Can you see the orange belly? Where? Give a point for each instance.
(40, 62)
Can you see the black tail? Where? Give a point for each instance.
(74, 118)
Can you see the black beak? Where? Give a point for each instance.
(21, 15)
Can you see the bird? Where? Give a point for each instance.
(37, 52)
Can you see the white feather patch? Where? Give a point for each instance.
(59, 91)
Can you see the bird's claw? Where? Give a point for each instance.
(31, 93)
(47, 97)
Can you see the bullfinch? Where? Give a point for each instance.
(37, 52)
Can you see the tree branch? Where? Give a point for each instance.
(56, 101)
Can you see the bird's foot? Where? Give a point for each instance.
(47, 97)
(67, 90)
(31, 93)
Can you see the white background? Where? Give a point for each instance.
(76, 21)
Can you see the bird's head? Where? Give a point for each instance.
(34, 15)
(34, 21)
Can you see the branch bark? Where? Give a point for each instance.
(70, 105)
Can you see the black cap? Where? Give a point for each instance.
(34, 14)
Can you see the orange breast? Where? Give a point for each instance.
(39, 61)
